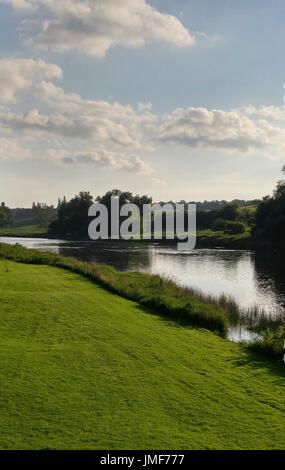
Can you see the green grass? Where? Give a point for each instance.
(251, 209)
(29, 231)
(209, 238)
(82, 368)
(184, 305)
(178, 303)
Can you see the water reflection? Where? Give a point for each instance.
(213, 271)
(123, 258)
(270, 278)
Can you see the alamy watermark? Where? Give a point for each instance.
(146, 223)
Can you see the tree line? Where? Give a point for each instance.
(269, 226)
(72, 217)
(265, 219)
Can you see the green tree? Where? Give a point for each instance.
(229, 212)
(43, 214)
(219, 225)
(269, 227)
(234, 228)
(3, 217)
(72, 217)
(6, 217)
(125, 197)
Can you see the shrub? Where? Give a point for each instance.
(234, 228)
(219, 224)
(230, 211)
(271, 344)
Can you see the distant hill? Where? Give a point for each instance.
(23, 217)
(216, 205)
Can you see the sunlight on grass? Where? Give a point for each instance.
(83, 368)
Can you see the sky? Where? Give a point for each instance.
(177, 100)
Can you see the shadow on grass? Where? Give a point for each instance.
(254, 359)
(164, 318)
(260, 361)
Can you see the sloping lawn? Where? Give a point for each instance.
(81, 368)
(25, 231)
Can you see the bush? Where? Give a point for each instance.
(271, 344)
(219, 225)
(234, 228)
(229, 211)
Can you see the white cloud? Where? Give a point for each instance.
(65, 126)
(20, 74)
(218, 129)
(9, 149)
(144, 106)
(85, 132)
(110, 135)
(274, 113)
(72, 103)
(77, 126)
(94, 26)
(102, 158)
(20, 4)
(157, 181)
(98, 122)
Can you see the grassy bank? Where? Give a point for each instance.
(185, 306)
(211, 239)
(83, 368)
(164, 296)
(29, 231)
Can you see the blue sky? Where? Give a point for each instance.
(219, 62)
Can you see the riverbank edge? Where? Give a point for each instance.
(205, 239)
(162, 295)
(185, 306)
